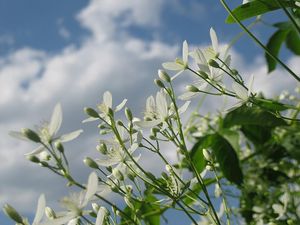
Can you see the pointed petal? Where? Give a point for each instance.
(56, 119)
(40, 210)
(70, 136)
(176, 75)
(214, 40)
(91, 188)
(36, 151)
(106, 161)
(250, 87)
(61, 220)
(185, 52)
(183, 108)
(187, 95)
(133, 147)
(147, 124)
(107, 99)
(240, 91)
(18, 135)
(90, 119)
(73, 222)
(172, 66)
(121, 105)
(161, 104)
(100, 216)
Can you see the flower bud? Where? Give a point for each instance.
(91, 112)
(59, 146)
(33, 158)
(12, 213)
(209, 167)
(164, 76)
(90, 163)
(110, 112)
(44, 164)
(192, 88)
(120, 123)
(128, 114)
(31, 135)
(234, 72)
(213, 63)
(169, 168)
(102, 148)
(159, 83)
(207, 155)
(50, 213)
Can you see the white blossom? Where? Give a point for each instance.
(47, 133)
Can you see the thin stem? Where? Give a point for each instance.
(289, 16)
(258, 42)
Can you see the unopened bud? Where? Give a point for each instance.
(110, 112)
(207, 155)
(152, 137)
(102, 148)
(192, 88)
(234, 72)
(33, 158)
(90, 163)
(91, 112)
(128, 114)
(169, 168)
(59, 146)
(164, 76)
(12, 213)
(159, 83)
(31, 135)
(120, 123)
(213, 63)
(50, 213)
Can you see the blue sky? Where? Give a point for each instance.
(73, 51)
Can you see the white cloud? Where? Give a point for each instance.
(32, 81)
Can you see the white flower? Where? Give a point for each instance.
(202, 58)
(47, 132)
(105, 106)
(180, 64)
(241, 92)
(159, 110)
(76, 203)
(199, 84)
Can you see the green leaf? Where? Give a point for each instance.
(197, 155)
(257, 134)
(254, 8)
(151, 211)
(272, 104)
(293, 42)
(274, 45)
(227, 158)
(232, 137)
(251, 116)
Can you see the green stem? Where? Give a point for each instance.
(258, 42)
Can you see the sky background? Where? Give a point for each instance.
(73, 51)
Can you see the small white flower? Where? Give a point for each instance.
(76, 203)
(242, 93)
(104, 107)
(159, 110)
(180, 64)
(47, 132)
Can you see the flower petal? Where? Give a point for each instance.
(183, 108)
(107, 99)
(106, 161)
(70, 136)
(240, 91)
(176, 75)
(185, 52)
(147, 124)
(90, 119)
(250, 87)
(60, 220)
(36, 151)
(172, 66)
(187, 95)
(40, 210)
(91, 188)
(121, 105)
(214, 40)
(56, 119)
(100, 216)
(18, 135)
